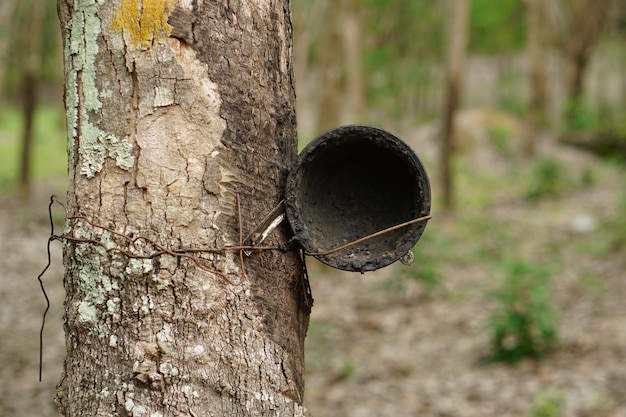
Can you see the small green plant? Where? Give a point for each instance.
(547, 179)
(346, 371)
(524, 324)
(547, 404)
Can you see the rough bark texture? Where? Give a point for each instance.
(174, 108)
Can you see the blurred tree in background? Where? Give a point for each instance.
(552, 64)
(29, 42)
(404, 53)
(457, 46)
(548, 63)
(31, 60)
(535, 11)
(578, 27)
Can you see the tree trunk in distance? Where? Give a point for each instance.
(29, 86)
(29, 102)
(330, 61)
(586, 20)
(354, 70)
(177, 110)
(537, 73)
(457, 45)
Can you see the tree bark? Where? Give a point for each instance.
(456, 57)
(177, 110)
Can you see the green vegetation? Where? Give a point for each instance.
(548, 178)
(547, 404)
(347, 370)
(583, 118)
(524, 325)
(496, 29)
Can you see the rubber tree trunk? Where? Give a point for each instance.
(176, 110)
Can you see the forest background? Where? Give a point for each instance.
(514, 303)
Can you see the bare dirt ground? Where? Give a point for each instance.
(375, 351)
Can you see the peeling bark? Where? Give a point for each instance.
(174, 108)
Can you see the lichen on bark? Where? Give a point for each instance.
(82, 97)
(143, 21)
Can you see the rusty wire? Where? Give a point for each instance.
(371, 236)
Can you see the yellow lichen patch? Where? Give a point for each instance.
(143, 21)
